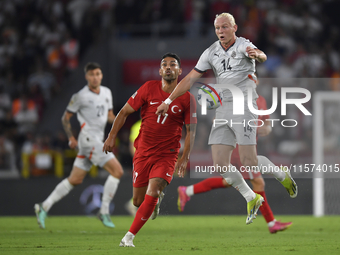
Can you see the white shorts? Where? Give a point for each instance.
(91, 153)
(232, 129)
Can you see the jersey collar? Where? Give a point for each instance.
(226, 49)
(93, 91)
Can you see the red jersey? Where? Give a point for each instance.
(261, 105)
(159, 134)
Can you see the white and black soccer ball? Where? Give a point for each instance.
(213, 95)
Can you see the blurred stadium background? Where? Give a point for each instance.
(44, 46)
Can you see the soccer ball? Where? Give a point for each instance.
(213, 94)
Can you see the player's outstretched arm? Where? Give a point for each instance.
(116, 126)
(256, 54)
(181, 164)
(180, 89)
(65, 120)
(265, 129)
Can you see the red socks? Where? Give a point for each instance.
(265, 208)
(208, 184)
(143, 213)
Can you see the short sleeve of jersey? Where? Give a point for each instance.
(74, 104)
(139, 97)
(190, 116)
(244, 45)
(203, 62)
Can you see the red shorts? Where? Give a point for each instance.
(145, 168)
(246, 173)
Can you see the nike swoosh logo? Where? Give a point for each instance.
(153, 102)
(168, 175)
(143, 219)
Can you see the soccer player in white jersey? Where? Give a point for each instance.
(232, 59)
(93, 106)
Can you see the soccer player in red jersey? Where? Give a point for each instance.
(158, 142)
(258, 184)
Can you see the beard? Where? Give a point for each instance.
(169, 78)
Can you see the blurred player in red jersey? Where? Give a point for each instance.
(184, 193)
(157, 144)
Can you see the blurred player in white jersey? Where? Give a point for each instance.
(232, 59)
(93, 106)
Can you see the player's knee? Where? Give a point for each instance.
(115, 169)
(154, 189)
(153, 193)
(119, 172)
(137, 201)
(220, 160)
(249, 161)
(75, 181)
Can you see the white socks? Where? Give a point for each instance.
(61, 190)
(268, 167)
(128, 237)
(271, 224)
(64, 187)
(190, 190)
(110, 189)
(235, 179)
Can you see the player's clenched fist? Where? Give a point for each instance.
(252, 53)
(109, 144)
(72, 142)
(181, 166)
(162, 109)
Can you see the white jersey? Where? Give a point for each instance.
(92, 110)
(231, 66)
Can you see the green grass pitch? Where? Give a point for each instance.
(170, 235)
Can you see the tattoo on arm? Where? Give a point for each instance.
(261, 56)
(67, 126)
(188, 144)
(191, 128)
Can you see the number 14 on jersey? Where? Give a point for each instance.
(224, 65)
